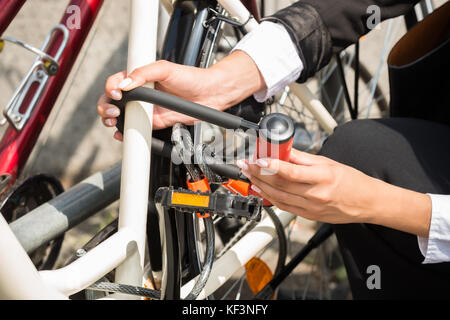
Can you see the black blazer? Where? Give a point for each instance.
(320, 28)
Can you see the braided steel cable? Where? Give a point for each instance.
(202, 154)
(126, 289)
(207, 265)
(184, 148)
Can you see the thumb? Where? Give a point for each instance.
(153, 72)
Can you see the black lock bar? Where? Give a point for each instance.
(189, 108)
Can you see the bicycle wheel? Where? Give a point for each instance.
(23, 198)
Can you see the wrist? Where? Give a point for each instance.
(401, 209)
(235, 78)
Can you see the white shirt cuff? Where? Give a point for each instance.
(275, 55)
(436, 248)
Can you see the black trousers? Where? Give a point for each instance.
(410, 153)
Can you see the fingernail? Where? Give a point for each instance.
(118, 135)
(112, 112)
(256, 189)
(116, 94)
(246, 174)
(125, 83)
(262, 163)
(241, 164)
(109, 122)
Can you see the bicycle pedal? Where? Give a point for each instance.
(222, 204)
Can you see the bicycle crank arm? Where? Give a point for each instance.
(222, 204)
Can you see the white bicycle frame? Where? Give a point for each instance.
(125, 250)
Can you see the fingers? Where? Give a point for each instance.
(157, 71)
(306, 159)
(276, 182)
(108, 113)
(283, 202)
(112, 85)
(109, 122)
(107, 110)
(272, 170)
(118, 136)
(154, 72)
(272, 193)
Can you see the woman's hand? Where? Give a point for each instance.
(320, 189)
(221, 86)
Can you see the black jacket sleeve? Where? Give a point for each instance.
(320, 28)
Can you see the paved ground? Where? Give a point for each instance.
(74, 144)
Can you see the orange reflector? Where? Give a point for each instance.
(258, 274)
(194, 200)
(2, 45)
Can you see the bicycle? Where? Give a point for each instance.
(142, 165)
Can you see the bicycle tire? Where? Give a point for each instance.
(23, 198)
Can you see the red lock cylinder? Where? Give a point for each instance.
(276, 135)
